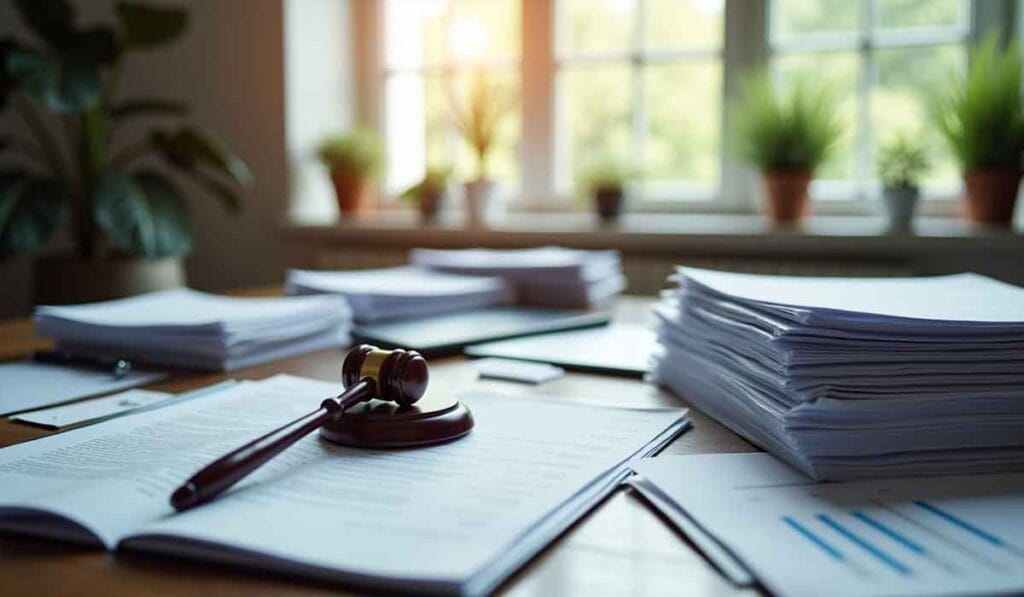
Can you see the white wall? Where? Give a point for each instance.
(230, 69)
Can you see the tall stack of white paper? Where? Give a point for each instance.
(195, 330)
(854, 378)
(401, 292)
(545, 276)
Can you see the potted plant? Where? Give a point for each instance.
(901, 164)
(353, 160)
(429, 193)
(478, 120)
(606, 186)
(982, 119)
(787, 135)
(128, 220)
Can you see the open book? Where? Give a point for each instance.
(454, 518)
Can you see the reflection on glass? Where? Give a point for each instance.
(795, 18)
(684, 24)
(906, 77)
(596, 25)
(900, 14)
(840, 70)
(683, 113)
(594, 119)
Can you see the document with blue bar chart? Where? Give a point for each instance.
(904, 536)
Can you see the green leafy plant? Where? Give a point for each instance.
(607, 176)
(981, 115)
(487, 104)
(903, 160)
(67, 78)
(434, 181)
(356, 153)
(790, 130)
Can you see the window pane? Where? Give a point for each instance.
(795, 18)
(898, 102)
(898, 14)
(675, 24)
(596, 25)
(420, 33)
(684, 116)
(594, 119)
(840, 70)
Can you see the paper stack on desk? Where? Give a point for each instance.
(195, 330)
(402, 292)
(854, 378)
(545, 276)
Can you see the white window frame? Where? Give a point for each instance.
(745, 45)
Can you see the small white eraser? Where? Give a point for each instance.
(523, 371)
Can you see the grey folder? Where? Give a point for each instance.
(449, 334)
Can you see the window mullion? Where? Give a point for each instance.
(638, 109)
(745, 46)
(865, 82)
(537, 153)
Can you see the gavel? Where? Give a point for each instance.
(398, 376)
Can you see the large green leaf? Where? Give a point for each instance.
(149, 26)
(148, 106)
(194, 151)
(143, 214)
(30, 210)
(51, 20)
(8, 83)
(69, 83)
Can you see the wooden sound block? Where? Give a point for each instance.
(383, 424)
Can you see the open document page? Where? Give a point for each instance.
(960, 535)
(454, 517)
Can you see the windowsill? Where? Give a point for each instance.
(656, 233)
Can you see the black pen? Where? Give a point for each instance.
(116, 367)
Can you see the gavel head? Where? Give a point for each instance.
(399, 375)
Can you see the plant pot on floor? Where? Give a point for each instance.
(352, 192)
(65, 279)
(608, 203)
(991, 195)
(900, 204)
(786, 195)
(479, 195)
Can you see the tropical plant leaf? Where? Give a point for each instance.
(228, 194)
(70, 83)
(51, 20)
(143, 214)
(196, 153)
(8, 83)
(30, 210)
(148, 106)
(150, 26)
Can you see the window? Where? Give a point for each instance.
(432, 48)
(885, 56)
(640, 83)
(645, 83)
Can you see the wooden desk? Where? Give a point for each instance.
(622, 547)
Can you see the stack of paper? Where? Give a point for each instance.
(854, 378)
(195, 330)
(546, 276)
(402, 292)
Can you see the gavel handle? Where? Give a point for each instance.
(227, 470)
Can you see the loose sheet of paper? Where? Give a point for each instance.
(435, 514)
(26, 385)
(903, 536)
(90, 410)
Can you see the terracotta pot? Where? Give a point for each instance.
(479, 195)
(66, 279)
(429, 203)
(352, 192)
(608, 203)
(785, 194)
(991, 195)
